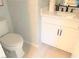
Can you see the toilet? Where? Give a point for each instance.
(12, 43)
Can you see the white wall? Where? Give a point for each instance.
(59, 1)
(33, 7)
(44, 3)
(4, 13)
(25, 18)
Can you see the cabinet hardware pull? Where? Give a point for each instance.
(58, 32)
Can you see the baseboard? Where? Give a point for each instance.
(31, 43)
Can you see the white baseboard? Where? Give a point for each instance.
(31, 43)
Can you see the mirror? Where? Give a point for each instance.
(60, 5)
(67, 5)
(77, 1)
(67, 2)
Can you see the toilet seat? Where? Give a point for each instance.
(11, 40)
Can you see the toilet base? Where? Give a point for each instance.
(18, 53)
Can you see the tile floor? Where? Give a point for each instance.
(44, 51)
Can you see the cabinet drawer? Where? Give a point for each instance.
(61, 21)
(70, 24)
(51, 20)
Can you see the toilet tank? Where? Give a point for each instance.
(3, 26)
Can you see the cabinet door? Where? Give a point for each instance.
(68, 39)
(49, 34)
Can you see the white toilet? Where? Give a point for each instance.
(12, 43)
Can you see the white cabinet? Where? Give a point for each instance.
(60, 36)
(68, 38)
(49, 34)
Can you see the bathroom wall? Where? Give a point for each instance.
(59, 1)
(44, 3)
(5, 13)
(25, 18)
(35, 20)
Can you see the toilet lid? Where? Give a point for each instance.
(11, 39)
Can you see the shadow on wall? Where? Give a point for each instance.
(20, 17)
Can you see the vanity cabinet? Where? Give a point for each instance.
(58, 34)
(49, 34)
(68, 38)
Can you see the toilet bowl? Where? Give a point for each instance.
(11, 42)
